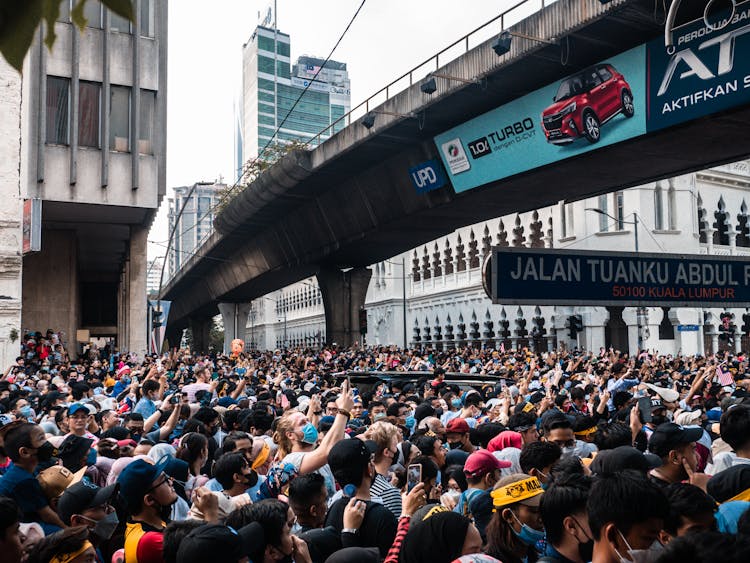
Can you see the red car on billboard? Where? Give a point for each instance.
(584, 102)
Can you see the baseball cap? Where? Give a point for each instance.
(481, 462)
(348, 459)
(688, 418)
(669, 436)
(517, 488)
(75, 407)
(611, 462)
(81, 496)
(668, 395)
(457, 426)
(656, 403)
(55, 479)
(137, 478)
(732, 483)
(73, 449)
(212, 542)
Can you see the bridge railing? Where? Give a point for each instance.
(511, 16)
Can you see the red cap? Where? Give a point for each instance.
(482, 462)
(124, 443)
(457, 426)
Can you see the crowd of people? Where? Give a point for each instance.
(468, 455)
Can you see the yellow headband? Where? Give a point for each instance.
(262, 456)
(434, 510)
(586, 432)
(744, 495)
(516, 492)
(67, 557)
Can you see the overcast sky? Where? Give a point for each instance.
(388, 38)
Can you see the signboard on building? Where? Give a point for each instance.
(427, 176)
(687, 328)
(634, 93)
(560, 277)
(32, 225)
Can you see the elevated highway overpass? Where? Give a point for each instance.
(350, 202)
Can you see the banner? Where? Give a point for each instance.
(634, 93)
(32, 225)
(561, 277)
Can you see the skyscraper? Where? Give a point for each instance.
(271, 85)
(196, 222)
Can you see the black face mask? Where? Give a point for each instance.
(658, 419)
(251, 479)
(438, 412)
(45, 452)
(586, 550)
(454, 445)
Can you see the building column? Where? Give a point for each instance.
(136, 308)
(689, 342)
(649, 326)
(200, 327)
(343, 297)
(235, 317)
(11, 329)
(594, 321)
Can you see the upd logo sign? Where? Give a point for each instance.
(427, 176)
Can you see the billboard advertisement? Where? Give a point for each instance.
(596, 107)
(709, 70)
(634, 93)
(561, 277)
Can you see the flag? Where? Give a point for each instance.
(725, 377)
(502, 347)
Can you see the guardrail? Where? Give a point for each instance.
(467, 42)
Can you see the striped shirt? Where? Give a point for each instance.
(389, 494)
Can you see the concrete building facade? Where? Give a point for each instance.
(86, 135)
(433, 295)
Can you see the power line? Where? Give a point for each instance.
(247, 166)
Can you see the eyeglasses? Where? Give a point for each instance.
(167, 479)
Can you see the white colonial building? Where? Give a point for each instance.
(438, 286)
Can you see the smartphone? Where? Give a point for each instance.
(175, 398)
(644, 406)
(413, 476)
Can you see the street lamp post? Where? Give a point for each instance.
(640, 311)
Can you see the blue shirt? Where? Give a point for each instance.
(24, 489)
(146, 407)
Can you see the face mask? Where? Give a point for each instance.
(438, 412)
(91, 458)
(586, 550)
(658, 419)
(568, 451)
(454, 445)
(641, 555)
(45, 452)
(135, 436)
(378, 416)
(251, 479)
(104, 528)
(528, 535)
(309, 434)
(410, 421)
(26, 412)
(456, 403)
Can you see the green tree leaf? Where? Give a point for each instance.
(18, 22)
(51, 11)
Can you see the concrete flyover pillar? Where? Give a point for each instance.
(235, 317)
(343, 296)
(201, 329)
(135, 297)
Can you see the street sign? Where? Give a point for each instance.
(531, 276)
(687, 328)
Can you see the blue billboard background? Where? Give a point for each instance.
(709, 71)
(529, 148)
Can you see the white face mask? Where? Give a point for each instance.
(640, 555)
